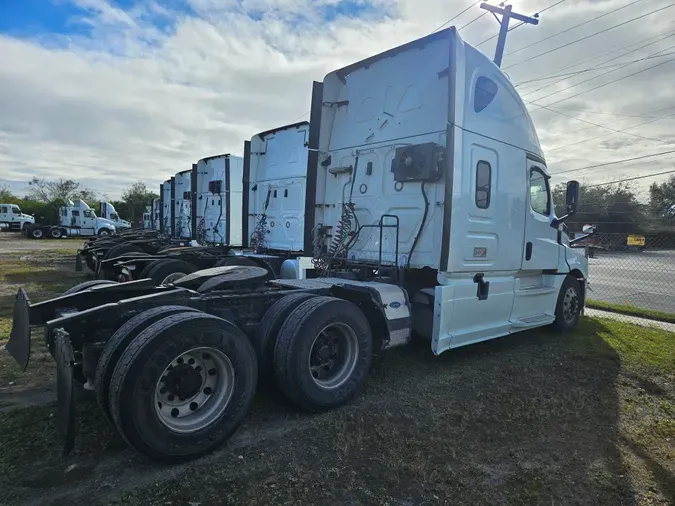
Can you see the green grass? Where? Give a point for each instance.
(632, 311)
(532, 418)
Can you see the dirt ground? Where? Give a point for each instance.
(533, 418)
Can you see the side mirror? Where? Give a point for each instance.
(588, 229)
(572, 197)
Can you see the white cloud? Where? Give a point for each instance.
(137, 101)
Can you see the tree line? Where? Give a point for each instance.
(44, 197)
(616, 208)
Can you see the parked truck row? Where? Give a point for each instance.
(415, 203)
(76, 219)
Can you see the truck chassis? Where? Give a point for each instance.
(175, 367)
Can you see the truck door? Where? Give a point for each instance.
(541, 240)
(88, 219)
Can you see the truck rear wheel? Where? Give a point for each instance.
(568, 307)
(56, 233)
(266, 336)
(323, 353)
(170, 271)
(36, 233)
(149, 267)
(119, 249)
(118, 343)
(183, 386)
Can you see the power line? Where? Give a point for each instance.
(589, 111)
(455, 17)
(573, 27)
(299, 118)
(472, 21)
(615, 50)
(614, 162)
(610, 123)
(632, 178)
(610, 82)
(589, 36)
(593, 69)
(598, 125)
(623, 65)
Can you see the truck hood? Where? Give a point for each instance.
(108, 223)
(27, 217)
(122, 224)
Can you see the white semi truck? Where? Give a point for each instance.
(182, 223)
(76, 219)
(107, 211)
(275, 186)
(218, 200)
(12, 219)
(429, 211)
(166, 194)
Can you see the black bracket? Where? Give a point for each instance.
(483, 286)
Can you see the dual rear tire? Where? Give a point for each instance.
(176, 382)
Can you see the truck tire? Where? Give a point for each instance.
(118, 343)
(87, 285)
(118, 249)
(36, 233)
(568, 307)
(170, 271)
(55, 233)
(323, 353)
(104, 232)
(266, 335)
(147, 270)
(182, 386)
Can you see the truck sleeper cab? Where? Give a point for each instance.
(182, 222)
(76, 219)
(427, 202)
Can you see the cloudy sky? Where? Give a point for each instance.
(115, 91)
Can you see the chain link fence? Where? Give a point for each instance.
(632, 275)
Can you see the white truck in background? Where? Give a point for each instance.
(182, 222)
(218, 205)
(107, 211)
(276, 185)
(12, 219)
(76, 219)
(166, 207)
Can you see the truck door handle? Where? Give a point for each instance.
(528, 251)
(483, 286)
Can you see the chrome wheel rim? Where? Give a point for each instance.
(103, 232)
(570, 305)
(194, 390)
(37, 233)
(173, 277)
(333, 356)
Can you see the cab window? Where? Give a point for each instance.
(114, 216)
(87, 214)
(16, 210)
(75, 213)
(540, 198)
(3, 209)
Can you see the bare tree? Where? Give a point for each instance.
(58, 191)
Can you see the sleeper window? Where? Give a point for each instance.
(483, 184)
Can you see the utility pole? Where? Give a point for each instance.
(507, 14)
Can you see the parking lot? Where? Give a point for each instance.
(641, 279)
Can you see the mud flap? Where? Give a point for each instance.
(18, 345)
(63, 354)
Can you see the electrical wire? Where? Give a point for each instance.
(607, 53)
(608, 83)
(594, 69)
(589, 36)
(623, 65)
(573, 27)
(597, 124)
(455, 17)
(614, 162)
(634, 178)
(607, 135)
(472, 21)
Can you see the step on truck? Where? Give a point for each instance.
(76, 219)
(429, 212)
(12, 219)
